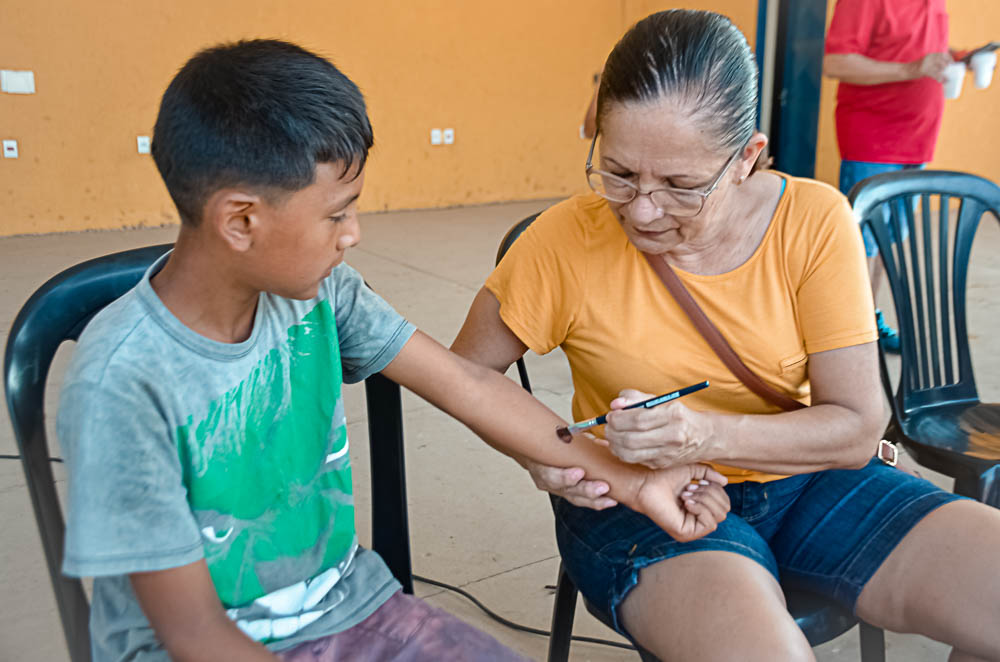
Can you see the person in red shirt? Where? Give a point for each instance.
(890, 57)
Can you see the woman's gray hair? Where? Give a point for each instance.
(698, 58)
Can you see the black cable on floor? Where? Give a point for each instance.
(18, 457)
(517, 626)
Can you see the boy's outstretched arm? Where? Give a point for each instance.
(500, 411)
(184, 610)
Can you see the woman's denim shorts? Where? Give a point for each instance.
(825, 532)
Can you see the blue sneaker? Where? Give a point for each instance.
(887, 335)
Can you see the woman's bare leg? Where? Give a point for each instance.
(712, 606)
(942, 581)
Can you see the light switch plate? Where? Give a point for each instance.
(17, 82)
(10, 149)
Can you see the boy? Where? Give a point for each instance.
(202, 418)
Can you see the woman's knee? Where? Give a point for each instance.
(721, 604)
(768, 643)
(781, 640)
(941, 584)
(791, 645)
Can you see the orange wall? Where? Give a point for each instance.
(970, 130)
(513, 79)
(742, 12)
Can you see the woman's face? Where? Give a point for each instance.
(657, 145)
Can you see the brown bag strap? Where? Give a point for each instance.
(715, 339)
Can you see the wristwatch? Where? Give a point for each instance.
(887, 452)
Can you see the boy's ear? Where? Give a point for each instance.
(232, 214)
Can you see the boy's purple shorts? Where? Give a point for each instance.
(405, 629)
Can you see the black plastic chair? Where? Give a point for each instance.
(819, 619)
(58, 311)
(937, 414)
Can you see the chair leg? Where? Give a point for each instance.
(872, 643)
(563, 612)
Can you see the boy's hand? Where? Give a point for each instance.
(686, 501)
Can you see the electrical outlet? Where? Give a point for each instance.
(10, 149)
(449, 136)
(436, 136)
(142, 144)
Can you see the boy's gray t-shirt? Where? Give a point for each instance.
(181, 448)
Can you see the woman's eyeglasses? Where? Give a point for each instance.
(673, 201)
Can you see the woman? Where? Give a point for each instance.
(777, 264)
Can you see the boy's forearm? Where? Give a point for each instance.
(184, 610)
(504, 414)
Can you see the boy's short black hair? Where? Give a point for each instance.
(258, 113)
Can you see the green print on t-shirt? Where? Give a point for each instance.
(267, 470)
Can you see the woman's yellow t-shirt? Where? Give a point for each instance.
(573, 280)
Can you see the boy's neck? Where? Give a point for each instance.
(200, 290)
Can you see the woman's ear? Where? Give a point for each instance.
(755, 156)
(233, 215)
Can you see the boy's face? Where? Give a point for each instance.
(302, 237)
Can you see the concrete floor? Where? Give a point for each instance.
(476, 519)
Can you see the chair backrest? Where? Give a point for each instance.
(58, 311)
(505, 244)
(928, 273)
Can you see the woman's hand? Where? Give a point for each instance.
(687, 502)
(660, 437)
(569, 484)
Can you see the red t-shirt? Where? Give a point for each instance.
(891, 122)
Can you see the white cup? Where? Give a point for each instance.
(983, 65)
(954, 74)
